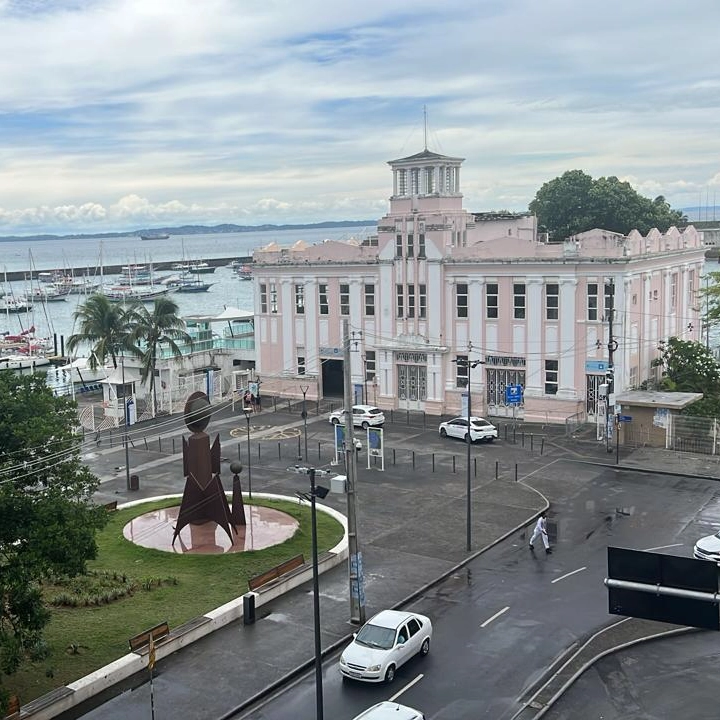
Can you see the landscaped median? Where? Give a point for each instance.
(87, 637)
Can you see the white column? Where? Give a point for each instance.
(395, 182)
(287, 306)
(312, 358)
(566, 378)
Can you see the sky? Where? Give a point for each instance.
(124, 114)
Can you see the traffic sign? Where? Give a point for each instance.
(625, 418)
(513, 394)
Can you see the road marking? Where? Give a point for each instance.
(495, 616)
(566, 575)
(663, 547)
(407, 687)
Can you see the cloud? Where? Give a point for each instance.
(131, 111)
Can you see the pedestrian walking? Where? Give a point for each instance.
(541, 531)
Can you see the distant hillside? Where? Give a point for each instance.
(197, 230)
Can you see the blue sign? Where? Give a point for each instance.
(596, 366)
(513, 394)
(625, 418)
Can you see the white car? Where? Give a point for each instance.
(390, 711)
(480, 429)
(708, 548)
(384, 643)
(364, 416)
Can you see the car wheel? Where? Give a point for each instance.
(365, 425)
(465, 437)
(443, 432)
(390, 674)
(425, 649)
(491, 438)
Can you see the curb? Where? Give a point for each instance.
(637, 468)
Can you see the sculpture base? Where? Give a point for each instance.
(265, 527)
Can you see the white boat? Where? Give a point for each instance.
(22, 362)
(12, 304)
(129, 293)
(200, 268)
(48, 293)
(79, 371)
(244, 272)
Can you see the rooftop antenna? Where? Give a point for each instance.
(425, 126)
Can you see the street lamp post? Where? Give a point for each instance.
(304, 389)
(466, 362)
(125, 421)
(316, 491)
(247, 411)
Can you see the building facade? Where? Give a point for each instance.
(439, 288)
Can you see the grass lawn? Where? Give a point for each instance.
(170, 587)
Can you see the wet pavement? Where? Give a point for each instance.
(412, 532)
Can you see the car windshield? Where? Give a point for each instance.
(481, 423)
(376, 636)
(373, 411)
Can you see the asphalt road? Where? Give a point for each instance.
(502, 621)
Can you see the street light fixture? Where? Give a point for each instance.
(316, 491)
(470, 365)
(247, 411)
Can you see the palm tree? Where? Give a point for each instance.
(150, 331)
(105, 326)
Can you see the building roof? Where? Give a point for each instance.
(426, 155)
(655, 398)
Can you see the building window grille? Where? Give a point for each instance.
(497, 379)
(370, 365)
(402, 182)
(592, 301)
(552, 301)
(519, 301)
(300, 299)
(301, 363)
(551, 377)
(398, 246)
(491, 301)
(400, 301)
(344, 299)
(323, 299)
(673, 290)
(369, 299)
(421, 245)
(411, 301)
(273, 298)
(461, 300)
(263, 298)
(410, 245)
(462, 371)
(422, 301)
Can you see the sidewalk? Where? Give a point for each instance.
(403, 553)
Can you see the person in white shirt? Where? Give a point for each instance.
(541, 531)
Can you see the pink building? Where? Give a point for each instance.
(438, 284)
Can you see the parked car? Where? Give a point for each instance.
(480, 429)
(363, 416)
(390, 711)
(384, 643)
(708, 548)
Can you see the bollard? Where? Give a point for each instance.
(475, 466)
(318, 450)
(248, 608)
(258, 451)
(453, 463)
(239, 452)
(413, 459)
(173, 446)
(531, 442)
(393, 456)
(279, 452)
(506, 427)
(497, 468)
(289, 405)
(542, 445)
(424, 420)
(299, 451)
(433, 462)
(159, 443)
(514, 437)
(516, 478)
(522, 438)
(274, 404)
(146, 445)
(407, 417)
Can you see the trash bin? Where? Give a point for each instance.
(248, 608)
(134, 482)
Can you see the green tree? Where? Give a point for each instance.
(151, 331)
(573, 203)
(688, 366)
(104, 326)
(47, 520)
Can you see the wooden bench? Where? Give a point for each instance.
(276, 573)
(141, 642)
(13, 709)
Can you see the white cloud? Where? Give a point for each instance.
(119, 113)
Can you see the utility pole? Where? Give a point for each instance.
(126, 420)
(610, 375)
(355, 571)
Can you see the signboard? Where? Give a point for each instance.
(130, 412)
(596, 366)
(513, 394)
(375, 446)
(625, 418)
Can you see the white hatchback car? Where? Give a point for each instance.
(390, 711)
(384, 643)
(364, 416)
(480, 429)
(708, 548)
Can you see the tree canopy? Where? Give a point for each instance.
(47, 520)
(689, 366)
(573, 203)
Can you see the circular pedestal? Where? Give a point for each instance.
(265, 527)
